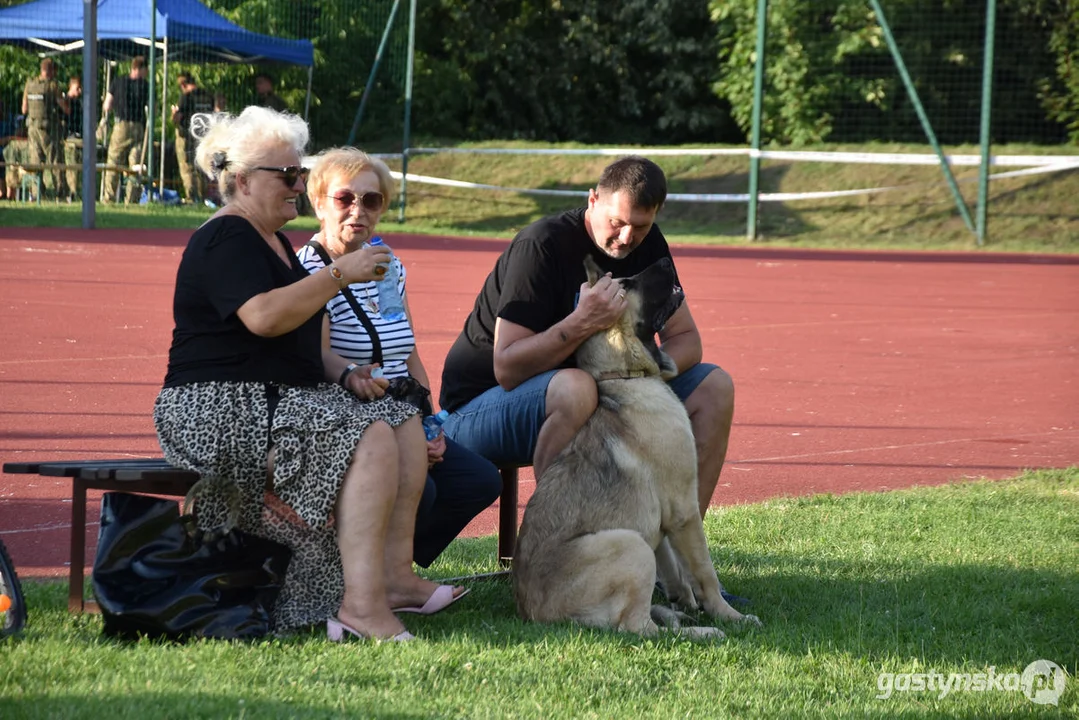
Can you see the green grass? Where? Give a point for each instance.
(951, 579)
(1026, 214)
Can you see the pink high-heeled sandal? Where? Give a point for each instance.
(338, 631)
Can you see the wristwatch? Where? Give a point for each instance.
(352, 367)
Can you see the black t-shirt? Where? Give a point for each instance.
(129, 98)
(227, 263)
(74, 118)
(192, 103)
(535, 283)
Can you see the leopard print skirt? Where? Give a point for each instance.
(221, 430)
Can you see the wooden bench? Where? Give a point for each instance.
(154, 476)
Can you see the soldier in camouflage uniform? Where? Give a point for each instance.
(44, 105)
(193, 100)
(127, 99)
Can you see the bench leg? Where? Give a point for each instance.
(78, 546)
(507, 516)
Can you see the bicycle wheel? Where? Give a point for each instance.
(12, 604)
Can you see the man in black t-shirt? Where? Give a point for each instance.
(73, 141)
(509, 380)
(193, 100)
(265, 94)
(127, 100)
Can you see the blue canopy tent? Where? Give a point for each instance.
(188, 26)
(182, 29)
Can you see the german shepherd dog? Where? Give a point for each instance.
(628, 479)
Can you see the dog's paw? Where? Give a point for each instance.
(701, 632)
(752, 620)
(668, 617)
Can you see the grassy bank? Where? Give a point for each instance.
(1033, 213)
(976, 577)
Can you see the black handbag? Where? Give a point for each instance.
(157, 575)
(408, 389)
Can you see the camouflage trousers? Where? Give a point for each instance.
(45, 150)
(193, 179)
(125, 150)
(73, 162)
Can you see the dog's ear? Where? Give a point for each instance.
(591, 269)
(667, 368)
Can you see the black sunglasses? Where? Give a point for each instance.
(345, 199)
(290, 174)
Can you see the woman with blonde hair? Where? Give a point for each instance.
(349, 190)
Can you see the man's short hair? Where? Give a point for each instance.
(73, 80)
(183, 79)
(47, 64)
(641, 178)
(265, 76)
(138, 62)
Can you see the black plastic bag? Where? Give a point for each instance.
(408, 389)
(157, 575)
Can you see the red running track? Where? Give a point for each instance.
(855, 371)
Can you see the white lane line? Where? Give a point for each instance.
(904, 446)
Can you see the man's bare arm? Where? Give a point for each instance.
(681, 339)
(520, 353)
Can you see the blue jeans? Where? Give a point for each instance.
(458, 489)
(502, 426)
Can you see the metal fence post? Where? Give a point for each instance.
(961, 204)
(755, 141)
(987, 110)
(408, 109)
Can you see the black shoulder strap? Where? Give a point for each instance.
(376, 344)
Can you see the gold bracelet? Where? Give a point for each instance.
(335, 273)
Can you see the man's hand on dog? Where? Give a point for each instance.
(600, 305)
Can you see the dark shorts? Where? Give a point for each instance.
(503, 426)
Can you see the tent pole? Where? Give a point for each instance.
(89, 115)
(408, 110)
(307, 101)
(164, 94)
(149, 150)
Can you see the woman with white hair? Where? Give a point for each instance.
(248, 404)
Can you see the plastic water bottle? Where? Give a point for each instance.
(391, 306)
(432, 424)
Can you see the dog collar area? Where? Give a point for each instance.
(620, 375)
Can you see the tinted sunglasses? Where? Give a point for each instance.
(290, 174)
(345, 199)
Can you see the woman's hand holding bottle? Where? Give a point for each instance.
(364, 264)
(367, 383)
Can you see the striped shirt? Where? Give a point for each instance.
(349, 339)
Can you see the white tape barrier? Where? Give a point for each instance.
(1035, 164)
(795, 155)
(719, 197)
(428, 180)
